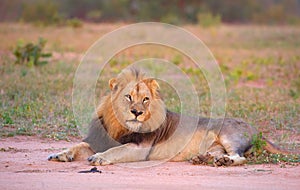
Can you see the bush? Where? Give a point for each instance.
(74, 23)
(43, 12)
(258, 144)
(94, 15)
(207, 19)
(30, 53)
(171, 19)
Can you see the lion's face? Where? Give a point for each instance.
(137, 105)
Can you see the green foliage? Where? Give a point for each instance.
(294, 94)
(281, 159)
(7, 120)
(258, 143)
(94, 15)
(177, 59)
(48, 12)
(241, 72)
(24, 131)
(39, 102)
(113, 62)
(263, 60)
(260, 156)
(44, 12)
(274, 14)
(31, 53)
(295, 90)
(171, 19)
(207, 19)
(74, 23)
(236, 74)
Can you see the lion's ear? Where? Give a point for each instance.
(152, 85)
(112, 84)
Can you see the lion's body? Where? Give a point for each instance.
(132, 124)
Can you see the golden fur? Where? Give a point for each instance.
(132, 124)
(109, 108)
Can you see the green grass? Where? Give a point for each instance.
(283, 160)
(37, 101)
(260, 64)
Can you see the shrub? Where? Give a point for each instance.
(258, 144)
(295, 89)
(171, 19)
(207, 19)
(43, 12)
(94, 15)
(31, 53)
(7, 120)
(177, 59)
(74, 23)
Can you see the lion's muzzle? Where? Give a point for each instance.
(134, 125)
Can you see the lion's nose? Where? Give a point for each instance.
(136, 113)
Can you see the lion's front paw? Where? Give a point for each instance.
(64, 156)
(223, 161)
(98, 160)
(201, 159)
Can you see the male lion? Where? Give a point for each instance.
(132, 124)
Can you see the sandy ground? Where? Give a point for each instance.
(23, 165)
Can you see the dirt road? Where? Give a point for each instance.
(23, 165)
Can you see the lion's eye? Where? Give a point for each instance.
(128, 97)
(146, 99)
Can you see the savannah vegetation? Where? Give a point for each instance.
(260, 62)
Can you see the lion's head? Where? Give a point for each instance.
(134, 103)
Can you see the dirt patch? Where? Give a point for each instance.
(24, 165)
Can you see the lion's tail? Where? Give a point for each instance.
(275, 149)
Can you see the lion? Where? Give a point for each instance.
(132, 123)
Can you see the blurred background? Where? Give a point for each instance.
(175, 12)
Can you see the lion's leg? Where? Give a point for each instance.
(214, 151)
(236, 159)
(77, 152)
(234, 150)
(218, 154)
(125, 153)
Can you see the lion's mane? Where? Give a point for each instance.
(108, 108)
